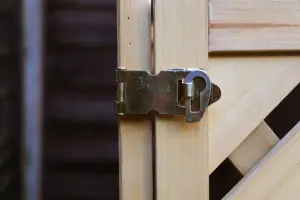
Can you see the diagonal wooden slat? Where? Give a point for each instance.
(289, 187)
(254, 25)
(135, 136)
(181, 149)
(254, 148)
(276, 176)
(251, 88)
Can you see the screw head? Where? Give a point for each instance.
(121, 68)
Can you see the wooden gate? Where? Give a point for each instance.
(249, 48)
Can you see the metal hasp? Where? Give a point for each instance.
(174, 91)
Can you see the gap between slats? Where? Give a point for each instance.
(253, 148)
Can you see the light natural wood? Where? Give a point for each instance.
(288, 187)
(251, 88)
(181, 149)
(254, 25)
(277, 176)
(135, 135)
(254, 148)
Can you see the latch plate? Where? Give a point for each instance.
(173, 91)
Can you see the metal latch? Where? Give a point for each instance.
(174, 91)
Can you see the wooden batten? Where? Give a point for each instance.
(135, 136)
(254, 25)
(181, 149)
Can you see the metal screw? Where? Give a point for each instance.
(121, 68)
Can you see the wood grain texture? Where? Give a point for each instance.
(254, 25)
(181, 148)
(254, 148)
(135, 136)
(276, 176)
(251, 88)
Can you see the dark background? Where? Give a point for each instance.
(80, 144)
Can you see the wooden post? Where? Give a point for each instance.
(32, 91)
(181, 148)
(135, 135)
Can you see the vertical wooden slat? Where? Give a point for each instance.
(135, 135)
(181, 149)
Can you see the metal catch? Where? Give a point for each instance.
(174, 91)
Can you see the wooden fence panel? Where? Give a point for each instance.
(251, 88)
(181, 149)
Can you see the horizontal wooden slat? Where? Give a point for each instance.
(6, 154)
(6, 6)
(74, 107)
(95, 147)
(251, 88)
(92, 28)
(79, 19)
(82, 4)
(276, 176)
(254, 148)
(81, 184)
(254, 25)
(5, 46)
(7, 176)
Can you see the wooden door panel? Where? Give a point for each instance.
(251, 88)
(254, 25)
